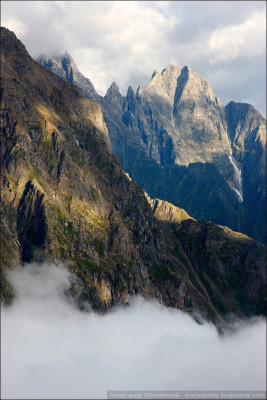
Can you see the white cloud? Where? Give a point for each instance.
(247, 40)
(126, 41)
(107, 39)
(122, 41)
(15, 25)
(52, 350)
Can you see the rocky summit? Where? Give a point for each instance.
(177, 140)
(65, 198)
(64, 66)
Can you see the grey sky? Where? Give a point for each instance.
(126, 41)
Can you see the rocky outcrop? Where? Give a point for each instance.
(167, 212)
(66, 199)
(245, 126)
(114, 98)
(64, 66)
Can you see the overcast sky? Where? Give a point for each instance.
(50, 350)
(126, 41)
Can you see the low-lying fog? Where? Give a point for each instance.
(51, 350)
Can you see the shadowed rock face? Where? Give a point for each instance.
(247, 132)
(66, 199)
(31, 223)
(177, 121)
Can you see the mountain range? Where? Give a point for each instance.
(66, 198)
(176, 139)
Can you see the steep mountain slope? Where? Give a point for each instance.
(178, 131)
(247, 132)
(64, 197)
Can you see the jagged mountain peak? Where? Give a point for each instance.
(114, 86)
(113, 95)
(163, 84)
(189, 74)
(166, 82)
(130, 92)
(170, 69)
(139, 91)
(199, 118)
(243, 120)
(63, 65)
(245, 109)
(61, 61)
(113, 91)
(187, 69)
(192, 86)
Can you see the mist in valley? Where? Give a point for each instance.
(52, 350)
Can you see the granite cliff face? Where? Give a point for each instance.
(65, 198)
(183, 102)
(178, 141)
(247, 132)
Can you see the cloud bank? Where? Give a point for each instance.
(126, 41)
(52, 350)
